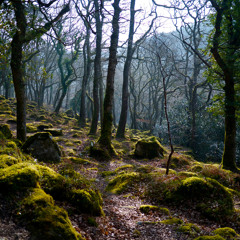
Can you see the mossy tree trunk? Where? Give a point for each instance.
(97, 70)
(106, 131)
(227, 27)
(127, 66)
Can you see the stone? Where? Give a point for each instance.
(42, 147)
(149, 148)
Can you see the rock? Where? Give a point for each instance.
(70, 113)
(43, 147)
(4, 128)
(149, 148)
(54, 131)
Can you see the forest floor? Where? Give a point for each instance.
(123, 219)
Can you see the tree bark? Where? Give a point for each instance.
(106, 131)
(127, 66)
(97, 71)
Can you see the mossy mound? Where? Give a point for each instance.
(5, 129)
(52, 182)
(216, 237)
(180, 161)
(149, 148)
(86, 201)
(122, 182)
(189, 229)
(148, 208)
(42, 147)
(80, 193)
(172, 221)
(54, 131)
(44, 219)
(31, 128)
(213, 200)
(227, 233)
(207, 196)
(18, 176)
(7, 160)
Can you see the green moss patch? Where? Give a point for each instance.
(44, 219)
(189, 229)
(151, 208)
(172, 221)
(122, 182)
(217, 237)
(18, 176)
(7, 160)
(227, 233)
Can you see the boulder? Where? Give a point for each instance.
(149, 148)
(42, 147)
(4, 128)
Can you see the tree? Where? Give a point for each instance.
(127, 65)
(224, 46)
(23, 35)
(106, 130)
(97, 68)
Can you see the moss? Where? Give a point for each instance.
(108, 173)
(18, 176)
(196, 168)
(7, 160)
(86, 201)
(179, 161)
(124, 167)
(54, 131)
(99, 152)
(187, 174)
(31, 128)
(148, 208)
(52, 182)
(82, 161)
(226, 232)
(217, 237)
(5, 129)
(149, 148)
(216, 202)
(44, 219)
(188, 228)
(145, 169)
(171, 221)
(92, 222)
(122, 182)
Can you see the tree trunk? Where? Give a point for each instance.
(97, 71)
(106, 131)
(229, 154)
(127, 66)
(60, 101)
(87, 69)
(19, 85)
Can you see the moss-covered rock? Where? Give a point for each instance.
(86, 201)
(42, 147)
(31, 128)
(189, 229)
(18, 176)
(54, 131)
(7, 160)
(5, 129)
(148, 148)
(52, 182)
(99, 152)
(213, 200)
(227, 233)
(122, 182)
(44, 219)
(148, 208)
(216, 237)
(172, 221)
